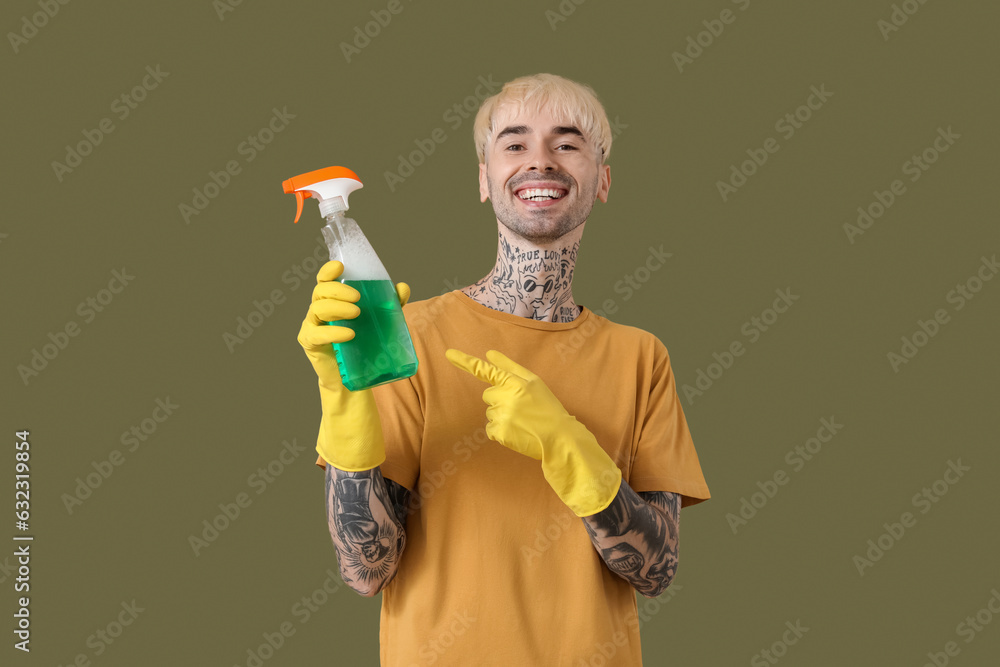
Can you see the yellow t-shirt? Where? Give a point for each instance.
(496, 569)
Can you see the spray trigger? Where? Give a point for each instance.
(300, 197)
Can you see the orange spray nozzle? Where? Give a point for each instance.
(321, 184)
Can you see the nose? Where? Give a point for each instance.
(541, 159)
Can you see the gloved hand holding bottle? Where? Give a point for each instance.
(384, 353)
(350, 435)
(524, 415)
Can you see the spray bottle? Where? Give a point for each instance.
(381, 350)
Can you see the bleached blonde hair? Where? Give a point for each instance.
(570, 102)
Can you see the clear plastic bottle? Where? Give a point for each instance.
(382, 350)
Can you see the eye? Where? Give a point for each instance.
(519, 146)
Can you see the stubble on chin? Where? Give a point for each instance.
(527, 227)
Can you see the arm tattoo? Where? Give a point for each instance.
(400, 496)
(637, 536)
(368, 536)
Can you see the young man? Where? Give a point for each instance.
(507, 508)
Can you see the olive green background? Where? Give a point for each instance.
(680, 133)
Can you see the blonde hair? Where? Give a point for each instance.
(568, 100)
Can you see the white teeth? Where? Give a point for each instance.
(539, 194)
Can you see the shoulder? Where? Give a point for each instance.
(424, 312)
(433, 303)
(647, 344)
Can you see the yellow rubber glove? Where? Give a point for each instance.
(350, 433)
(525, 416)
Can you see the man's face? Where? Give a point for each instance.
(540, 152)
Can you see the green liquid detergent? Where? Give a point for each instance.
(381, 350)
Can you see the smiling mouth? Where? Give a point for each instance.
(540, 194)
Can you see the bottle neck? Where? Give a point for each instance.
(332, 206)
(334, 231)
(335, 217)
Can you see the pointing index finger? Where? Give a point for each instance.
(483, 370)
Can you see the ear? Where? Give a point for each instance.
(604, 183)
(484, 188)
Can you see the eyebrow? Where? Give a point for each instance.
(524, 129)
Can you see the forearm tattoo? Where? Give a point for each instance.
(637, 536)
(366, 533)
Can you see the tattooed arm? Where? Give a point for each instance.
(367, 517)
(637, 536)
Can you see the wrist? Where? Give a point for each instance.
(580, 471)
(350, 433)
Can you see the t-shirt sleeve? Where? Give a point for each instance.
(665, 457)
(402, 429)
